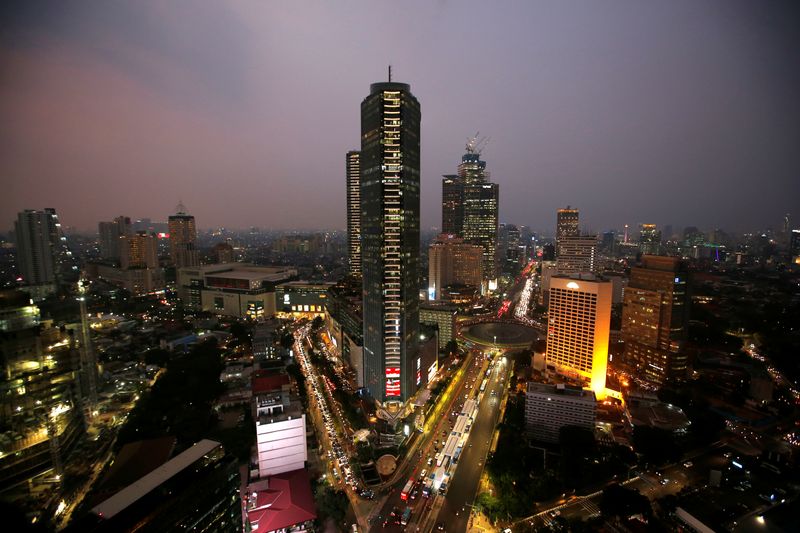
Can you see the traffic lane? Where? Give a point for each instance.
(466, 480)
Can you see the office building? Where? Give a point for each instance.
(576, 254)
(567, 224)
(354, 212)
(548, 408)
(197, 490)
(280, 425)
(138, 250)
(794, 246)
(42, 254)
(655, 317)
(451, 261)
(578, 328)
(139, 280)
(345, 323)
(443, 318)
(223, 253)
(232, 289)
(297, 297)
(390, 215)
(452, 205)
(649, 239)
(110, 233)
(183, 239)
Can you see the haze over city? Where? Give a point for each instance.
(671, 112)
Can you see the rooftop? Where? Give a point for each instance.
(287, 501)
(560, 389)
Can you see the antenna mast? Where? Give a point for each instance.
(390, 73)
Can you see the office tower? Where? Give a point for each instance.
(138, 250)
(576, 253)
(481, 208)
(42, 253)
(451, 261)
(567, 224)
(608, 242)
(655, 317)
(183, 239)
(110, 234)
(354, 212)
(452, 205)
(649, 239)
(390, 188)
(197, 490)
(548, 408)
(513, 249)
(223, 253)
(578, 328)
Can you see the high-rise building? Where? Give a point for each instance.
(481, 208)
(354, 212)
(451, 261)
(390, 189)
(567, 224)
(280, 425)
(223, 253)
(649, 239)
(138, 250)
(576, 253)
(452, 205)
(183, 239)
(41, 247)
(655, 318)
(110, 234)
(548, 408)
(578, 328)
(794, 246)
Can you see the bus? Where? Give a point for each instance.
(456, 455)
(407, 490)
(406, 517)
(483, 385)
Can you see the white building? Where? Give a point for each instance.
(548, 408)
(280, 427)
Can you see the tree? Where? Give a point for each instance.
(332, 504)
(451, 347)
(623, 502)
(657, 445)
(157, 357)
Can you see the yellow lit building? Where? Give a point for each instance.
(578, 328)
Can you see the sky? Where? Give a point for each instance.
(679, 112)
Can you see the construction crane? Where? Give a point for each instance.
(476, 144)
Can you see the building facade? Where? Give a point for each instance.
(138, 250)
(548, 408)
(110, 233)
(42, 254)
(567, 224)
(354, 212)
(390, 217)
(443, 317)
(452, 205)
(655, 318)
(649, 239)
(280, 426)
(576, 254)
(183, 239)
(451, 261)
(578, 328)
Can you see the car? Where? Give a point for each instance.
(430, 461)
(688, 464)
(440, 526)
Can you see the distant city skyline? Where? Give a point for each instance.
(669, 113)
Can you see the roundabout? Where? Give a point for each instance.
(499, 334)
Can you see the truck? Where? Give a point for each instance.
(406, 517)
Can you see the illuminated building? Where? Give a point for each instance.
(451, 261)
(576, 254)
(354, 212)
(655, 317)
(649, 239)
(41, 417)
(223, 253)
(390, 215)
(232, 289)
(110, 233)
(301, 297)
(197, 490)
(138, 250)
(443, 317)
(578, 327)
(452, 205)
(567, 224)
(794, 246)
(345, 323)
(548, 408)
(42, 254)
(183, 239)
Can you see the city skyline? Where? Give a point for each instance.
(607, 106)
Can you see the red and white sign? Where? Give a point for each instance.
(392, 371)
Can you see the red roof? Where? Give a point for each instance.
(287, 502)
(263, 382)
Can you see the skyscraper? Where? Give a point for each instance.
(655, 318)
(451, 261)
(41, 247)
(138, 250)
(576, 253)
(470, 207)
(354, 212)
(567, 220)
(110, 234)
(183, 239)
(390, 188)
(649, 239)
(578, 328)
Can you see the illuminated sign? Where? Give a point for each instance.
(162, 235)
(392, 387)
(286, 299)
(393, 372)
(573, 285)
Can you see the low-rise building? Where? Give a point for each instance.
(296, 297)
(280, 425)
(548, 408)
(443, 317)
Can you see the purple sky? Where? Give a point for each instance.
(673, 112)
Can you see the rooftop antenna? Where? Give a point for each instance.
(180, 209)
(390, 74)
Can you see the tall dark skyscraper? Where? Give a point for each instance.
(567, 220)
(470, 207)
(183, 239)
(390, 189)
(354, 212)
(41, 248)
